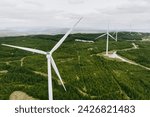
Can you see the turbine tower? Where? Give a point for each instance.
(108, 35)
(116, 36)
(50, 60)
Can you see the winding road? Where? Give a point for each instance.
(114, 55)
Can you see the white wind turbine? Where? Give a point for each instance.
(107, 42)
(50, 60)
(116, 35)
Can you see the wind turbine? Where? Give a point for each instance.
(107, 42)
(116, 35)
(50, 60)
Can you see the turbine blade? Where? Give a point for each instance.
(26, 49)
(64, 37)
(114, 33)
(57, 72)
(112, 37)
(100, 36)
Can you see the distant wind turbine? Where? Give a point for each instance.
(107, 42)
(50, 60)
(116, 36)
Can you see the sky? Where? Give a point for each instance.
(97, 14)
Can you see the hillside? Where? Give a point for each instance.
(86, 74)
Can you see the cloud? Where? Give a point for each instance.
(76, 2)
(134, 8)
(62, 13)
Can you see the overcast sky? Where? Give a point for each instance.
(120, 14)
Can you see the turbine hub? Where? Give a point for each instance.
(48, 56)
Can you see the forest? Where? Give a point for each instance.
(86, 74)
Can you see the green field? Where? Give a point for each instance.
(86, 74)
